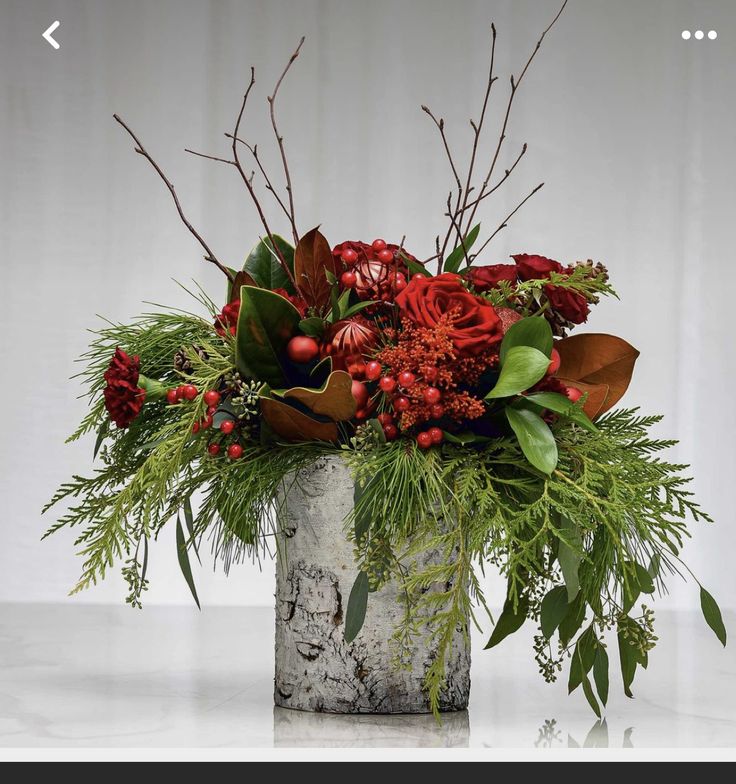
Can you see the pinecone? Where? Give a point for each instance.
(183, 364)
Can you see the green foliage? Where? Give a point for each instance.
(521, 369)
(357, 606)
(531, 331)
(535, 438)
(455, 258)
(264, 266)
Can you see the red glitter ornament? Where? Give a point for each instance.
(349, 341)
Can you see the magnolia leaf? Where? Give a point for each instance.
(183, 556)
(240, 279)
(357, 606)
(533, 331)
(312, 260)
(600, 673)
(264, 267)
(712, 615)
(552, 610)
(314, 326)
(535, 438)
(595, 359)
(509, 621)
(291, 424)
(454, 260)
(562, 405)
(334, 399)
(266, 323)
(521, 369)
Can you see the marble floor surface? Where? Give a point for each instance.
(95, 676)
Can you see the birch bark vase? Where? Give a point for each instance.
(316, 670)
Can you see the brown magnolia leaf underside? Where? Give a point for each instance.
(597, 360)
(335, 399)
(242, 278)
(312, 258)
(292, 425)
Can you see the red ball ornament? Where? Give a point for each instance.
(349, 256)
(436, 434)
(386, 256)
(424, 440)
(348, 280)
(373, 370)
(574, 394)
(189, 392)
(385, 419)
(378, 245)
(390, 431)
(387, 384)
(214, 449)
(212, 397)
(171, 397)
(554, 362)
(302, 349)
(401, 403)
(360, 393)
(432, 395)
(437, 411)
(227, 426)
(234, 451)
(407, 379)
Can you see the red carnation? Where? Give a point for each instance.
(487, 278)
(123, 397)
(571, 305)
(476, 326)
(531, 267)
(227, 321)
(295, 300)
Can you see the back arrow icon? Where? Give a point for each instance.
(47, 35)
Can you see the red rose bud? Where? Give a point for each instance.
(554, 362)
(487, 278)
(531, 267)
(571, 305)
(574, 394)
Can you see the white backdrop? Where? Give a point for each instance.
(630, 127)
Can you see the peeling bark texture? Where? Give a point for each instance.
(316, 670)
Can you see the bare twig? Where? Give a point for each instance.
(507, 219)
(505, 177)
(441, 128)
(454, 223)
(280, 139)
(209, 157)
(141, 150)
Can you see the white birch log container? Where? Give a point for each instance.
(316, 670)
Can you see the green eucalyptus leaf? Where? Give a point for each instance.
(562, 405)
(455, 259)
(569, 556)
(533, 331)
(628, 663)
(535, 438)
(509, 621)
(183, 557)
(600, 673)
(552, 610)
(583, 658)
(357, 606)
(712, 615)
(266, 323)
(573, 620)
(655, 564)
(189, 519)
(590, 696)
(264, 267)
(521, 370)
(646, 584)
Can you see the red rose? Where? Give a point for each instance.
(476, 325)
(487, 278)
(227, 321)
(530, 267)
(571, 305)
(123, 398)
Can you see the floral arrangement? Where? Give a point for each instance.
(453, 390)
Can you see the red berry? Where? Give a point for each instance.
(227, 426)
(437, 411)
(348, 279)
(211, 397)
(302, 349)
(378, 245)
(373, 370)
(418, 276)
(179, 392)
(211, 410)
(214, 449)
(424, 440)
(386, 256)
(407, 379)
(432, 395)
(189, 392)
(574, 394)
(234, 451)
(349, 256)
(357, 369)
(401, 403)
(195, 428)
(385, 419)
(390, 431)
(171, 397)
(399, 282)
(360, 393)
(207, 422)
(430, 374)
(387, 384)
(436, 434)
(554, 362)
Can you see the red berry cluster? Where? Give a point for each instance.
(374, 271)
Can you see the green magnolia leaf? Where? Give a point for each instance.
(357, 606)
(535, 438)
(314, 326)
(553, 609)
(533, 331)
(569, 556)
(455, 259)
(264, 267)
(583, 658)
(600, 673)
(712, 615)
(573, 620)
(266, 323)
(509, 621)
(627, 658)
(522, 368)
(562, 405)
(183, 556)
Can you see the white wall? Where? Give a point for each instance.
(630, 127)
